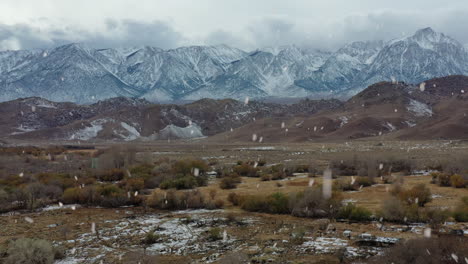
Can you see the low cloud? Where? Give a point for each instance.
(117, 33)
(266, 31)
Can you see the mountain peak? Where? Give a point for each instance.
(425, 31)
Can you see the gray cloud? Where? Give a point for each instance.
(250, 33)
(117, 33)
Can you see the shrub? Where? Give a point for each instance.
(234, 198)
(151, 238)
(112, 175)
(30, 251)
(461, 212)
(246, 170)
(365, 181)
(186, 182)
(443, 179)
(424, 250)
(265, 177)
(311, 203)
(228, 183)
(71, 195)
(436, 217)
(419, 194)
(276, 203)
(354, 213)
(457, 181)
(134, 184)
(214, 234)
(393, 210)
(174, 200)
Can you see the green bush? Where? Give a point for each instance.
(246, 170)
(151, 238)
(276, 203)
(30, 251)
(419, 193)
(457, 181)
(354, 213)
(214, 234)
(228, 183)
(461, 212)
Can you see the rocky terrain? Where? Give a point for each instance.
(433, 109)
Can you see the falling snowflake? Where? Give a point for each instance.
(45, 54)
(427, 232)
(254, 137)
(196, 172)
(60, 204)
(136, 193)
(311, 182)
(93, 228)
(394, 81)
(29, 220)
(21, 175)
(33, 108)
(260, 140)
(455, 257)
(282, 125)
(327, 183)
(462, 91)
(422, 87)
(381, 166)
(246, 101)
(396, 110)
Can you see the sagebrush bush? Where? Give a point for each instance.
(30, 251)
(457, 181)
(246, 170)
(276, 203)
(234, 198)
(354, 213)
(112, 175)
(419, 194)
(214, 234)
(433, 250)
(179, 200)
(228, 183)
(393, 210)
(461, 211)
(311, 203)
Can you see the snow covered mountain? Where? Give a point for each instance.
(80, 74)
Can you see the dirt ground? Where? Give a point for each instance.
(72, 228)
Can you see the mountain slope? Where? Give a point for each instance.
(83, 75)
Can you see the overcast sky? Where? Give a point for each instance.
(246, 24)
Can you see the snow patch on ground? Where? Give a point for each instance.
(132, 132)
(344, 120)
(88, 133)
(419, 109)
(390, 126)
(173, 131)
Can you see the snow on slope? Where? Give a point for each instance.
(77, 73)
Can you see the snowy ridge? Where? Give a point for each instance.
(81, 74)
